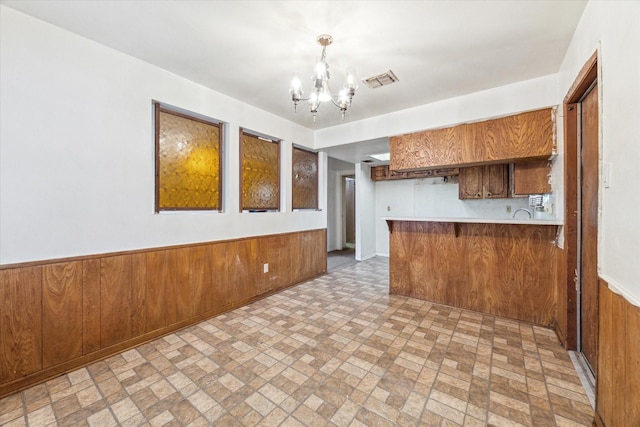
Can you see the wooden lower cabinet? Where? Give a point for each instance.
(59, 315)
(484, 182)
(506, 270)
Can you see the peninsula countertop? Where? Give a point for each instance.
(523, 221)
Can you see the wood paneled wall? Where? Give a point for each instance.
(59, 315)
(503, 269)
(618, 383)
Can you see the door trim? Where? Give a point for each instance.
(581, 85)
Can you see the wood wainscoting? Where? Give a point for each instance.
(503, 269)
(618, 382)
(58, 315)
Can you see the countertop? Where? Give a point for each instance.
(524, 221)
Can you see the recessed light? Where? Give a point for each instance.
(383, 157)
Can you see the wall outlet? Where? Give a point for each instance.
(388, 208)
(265, 267)
(508, 208)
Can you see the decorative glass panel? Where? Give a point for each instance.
(305, 179)
(260, 173)
(187, 162)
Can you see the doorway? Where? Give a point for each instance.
(349, 209)
(346, 255)
(581, 204)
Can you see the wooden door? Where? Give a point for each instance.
(589, 229)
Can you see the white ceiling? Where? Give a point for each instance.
(249, 49)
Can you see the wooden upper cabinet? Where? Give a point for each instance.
(427, 149)
(484, 182)
(531, 178)
(521, 136)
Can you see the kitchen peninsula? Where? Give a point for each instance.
(505, 267)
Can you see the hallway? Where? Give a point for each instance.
(337, 350)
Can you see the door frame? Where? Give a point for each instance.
(581, 85)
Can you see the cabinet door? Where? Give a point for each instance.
(470, 183)
(496, 182)
(427, 149)
(525, 135)
(379, 173)
(531, 178)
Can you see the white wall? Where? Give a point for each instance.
(613, 28)
(365, 209)
(432, 197)
(337, 169)
(518, 97)
(77, 150)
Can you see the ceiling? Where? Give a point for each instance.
(249, 49)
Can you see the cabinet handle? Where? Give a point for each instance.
(488, 194)
(478, 195)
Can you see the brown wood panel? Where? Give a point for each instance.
(605, 388)
(90, 305)
(138, 313)
(470, 183)
(115, 300)
(244, 272)
(531, 177)
(631, 361)
(492, 268)
(589, 230)
(426, 149)
(61, 312)
(274, 250)
(219, 257)
(618, 381)
(201, 279)
(520, 136)
(20, 322)
(124, 301)
(178, 293)
(157, 278)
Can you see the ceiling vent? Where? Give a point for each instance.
(383, 79)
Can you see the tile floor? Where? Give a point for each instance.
(337, 350)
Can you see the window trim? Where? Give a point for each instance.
(293, 178)
(163, 108)
(266, 139)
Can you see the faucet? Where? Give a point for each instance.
(522, 209)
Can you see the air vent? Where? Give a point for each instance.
(383, 79)
(367, 161)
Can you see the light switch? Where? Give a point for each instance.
(265, 267)
(388, 208)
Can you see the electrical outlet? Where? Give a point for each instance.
(388, 208)
(265, 267)
(508, 208)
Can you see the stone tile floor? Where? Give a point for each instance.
(337, 350)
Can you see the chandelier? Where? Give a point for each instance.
(320, 92)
